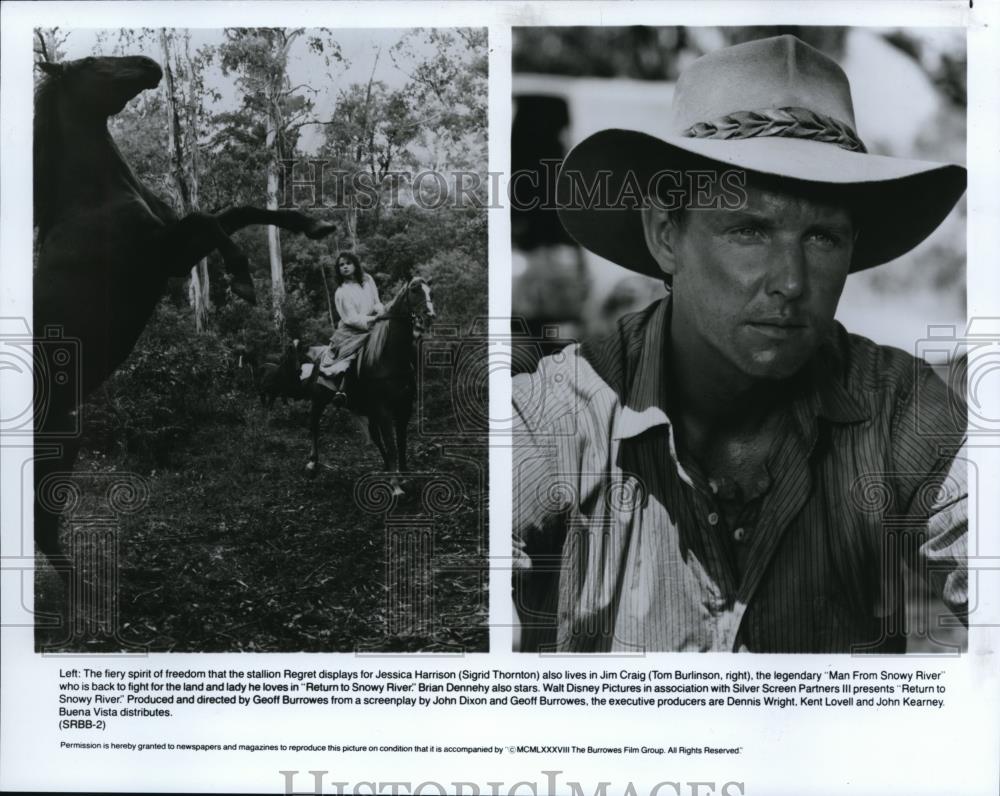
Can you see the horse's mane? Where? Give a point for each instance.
(379, 335)
(46, 145)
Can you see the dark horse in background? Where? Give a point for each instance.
(281, 379)
(107, 246)
(381, 382)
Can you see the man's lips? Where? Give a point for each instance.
(777, 328)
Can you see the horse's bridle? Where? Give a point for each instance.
(417, 322)
(420, 320)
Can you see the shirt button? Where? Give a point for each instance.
(713, 519)
(739, 534)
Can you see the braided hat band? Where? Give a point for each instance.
(762, 106)
(782, 123)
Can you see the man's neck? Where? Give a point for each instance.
(719, 398)
(724, 422)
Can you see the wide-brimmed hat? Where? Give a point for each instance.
(773, 106)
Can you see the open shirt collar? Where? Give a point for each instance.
(819, 389)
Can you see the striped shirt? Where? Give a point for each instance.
(620, 547)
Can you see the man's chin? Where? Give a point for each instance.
(774, 366)
(775, 356)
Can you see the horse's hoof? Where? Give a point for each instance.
(320, 230)
(311, 469)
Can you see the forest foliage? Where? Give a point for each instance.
(236, 549)
(214, 134)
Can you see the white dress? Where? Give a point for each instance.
(355, 303)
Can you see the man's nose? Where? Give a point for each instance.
(787, 274)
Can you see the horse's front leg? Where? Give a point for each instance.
(383, 419)
(401, 420)
(244, 216)
(315, 414)
(189, 240)
(376, 434)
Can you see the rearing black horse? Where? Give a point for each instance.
(107, 245)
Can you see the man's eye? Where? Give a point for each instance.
(747, 233)
(825, 239)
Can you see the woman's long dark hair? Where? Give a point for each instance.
(359, 272)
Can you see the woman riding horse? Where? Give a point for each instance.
(358, 306)
(385, 381)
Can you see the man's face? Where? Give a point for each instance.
(756, 289)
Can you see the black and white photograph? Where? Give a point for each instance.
(393, 393)
(260, 260)
(739, 281)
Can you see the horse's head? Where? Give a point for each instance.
(420, 299)
(102, 86)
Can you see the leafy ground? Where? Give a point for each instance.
(236, 550)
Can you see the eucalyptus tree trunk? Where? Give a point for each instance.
(273, 233)
(199, 287)
(275, 91)
(351, 222)
(184, 167)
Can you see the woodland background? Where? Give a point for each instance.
(235, 549)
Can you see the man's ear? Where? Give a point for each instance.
(50, 68)
(660, 227)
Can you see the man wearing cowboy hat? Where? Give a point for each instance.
(730, 470)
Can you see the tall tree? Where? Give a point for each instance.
(180, 115)
(448, 71)
(369, 134)
(436, 121)
(183, 86)
(259, 58)
(48, 44)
